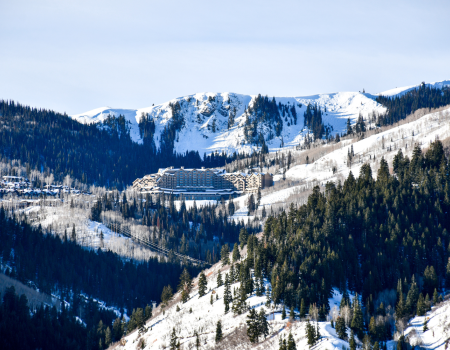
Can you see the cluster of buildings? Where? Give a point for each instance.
(19, 185)
(202, 183)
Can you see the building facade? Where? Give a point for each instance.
(202, 183)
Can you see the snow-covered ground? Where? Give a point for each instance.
(201, 110)
(198, 315)
(438, 332)
(369, 150)
(89, 234)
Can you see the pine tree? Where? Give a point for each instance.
(282, 344)
(283, 313)
(219, 280)
(291, 343)
(292, 314)
(357, 324)
(243, 236)
(352, 341)
(108, 337)
(225, 255)
(202, 285)
(341, 328)
(240, 301)
(185, 285)
(211, 301)
(166, 295)
(236, 254)
(427, 303)
(318, 335)
(373, 328)
(219, 334)
(376, 346)
(310, 334)
(421, 308)
(302, 309)
(435, 297)
(412, 297)
(173, 340)
(252, 326)
(425, 325)
(227, 297)
(263, 325)
(197, 340)
(400, 309)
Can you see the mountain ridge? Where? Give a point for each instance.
(206, 117)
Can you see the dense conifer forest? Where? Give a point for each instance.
(399, 107)
(105, 155)
(64, 268)
(364, 235)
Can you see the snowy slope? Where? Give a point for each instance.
(370, 150)
(98, 115)
(438, 331)
(200, 110)
(204, 317)
(403, 90)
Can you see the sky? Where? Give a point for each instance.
(74, 56)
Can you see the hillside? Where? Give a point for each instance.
(203, 110)
(205, 118)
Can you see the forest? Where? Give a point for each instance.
(399, 107)
(386, 240)
(106, 156)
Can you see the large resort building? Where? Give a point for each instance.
(202, 183)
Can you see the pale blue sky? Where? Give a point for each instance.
(74, 56)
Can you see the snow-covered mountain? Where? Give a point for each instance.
(205, 117)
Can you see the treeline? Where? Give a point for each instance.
(399, 107)
(363, 235)
(101, 154)
(62, 267)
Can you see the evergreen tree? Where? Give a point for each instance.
(252, 326)
(166, 295)
(173, 340)
(302, 309)
(292, 314)
(425, 325)
(376, 346)
(357, 324)
(225, 255)
(341, 328)
(227, 297)
(435, 297)
(202, 285)
(185, 285)
(251, 206)
(283, 313)
(219, 280)
(108, 337)
(400, 309)
(236, 254)
(219, 334)
(263, 325)
(421, 308)
(291, 343)
(197, 340)
(352, 341)
(243, 236)
(310, 334)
